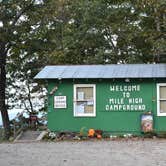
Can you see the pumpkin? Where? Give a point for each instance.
(91, 132)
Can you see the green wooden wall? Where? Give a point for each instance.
(111, 121)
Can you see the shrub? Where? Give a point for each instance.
(150, 134)
(161, 134)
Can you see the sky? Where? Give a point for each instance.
(12, 114)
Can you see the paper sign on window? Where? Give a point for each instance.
(80, 95)
(90, 103)
(60, 102)
(80, 109)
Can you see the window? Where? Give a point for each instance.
(85, 100)
(161, 99)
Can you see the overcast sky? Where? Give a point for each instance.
(12, 114)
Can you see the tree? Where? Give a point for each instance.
(22, 91)
(21, 23)
(151, 39)
(95, 31)
(102, 31)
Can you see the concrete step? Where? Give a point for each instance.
(30, 136)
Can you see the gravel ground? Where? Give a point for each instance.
(86, 153)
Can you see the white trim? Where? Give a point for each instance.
(158, 99)
(75, 100)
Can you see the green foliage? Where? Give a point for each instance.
(23, 29)
(99, 31)
(106, 135)
(150, 134)
(161, 134)
(83, 132)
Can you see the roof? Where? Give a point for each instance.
(103, 71)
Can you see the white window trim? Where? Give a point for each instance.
(158, 99)
(75, 100)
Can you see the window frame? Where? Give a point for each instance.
(75, 100)
(158, 99)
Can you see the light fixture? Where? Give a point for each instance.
(127, 80)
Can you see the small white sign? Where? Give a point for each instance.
(60, 102)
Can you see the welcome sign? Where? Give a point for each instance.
(126, 97)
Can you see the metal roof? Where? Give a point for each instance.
(103, 71)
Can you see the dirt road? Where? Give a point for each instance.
(88, 153)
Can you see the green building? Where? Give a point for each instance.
(124, 98)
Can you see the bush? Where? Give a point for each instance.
(161, 134)
(106, 135)
(150, 134)
(83, 132)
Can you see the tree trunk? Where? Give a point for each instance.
(29, 97)
(3, 108)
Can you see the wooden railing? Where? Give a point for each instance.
(18, 127)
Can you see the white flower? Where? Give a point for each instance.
(52, 135)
